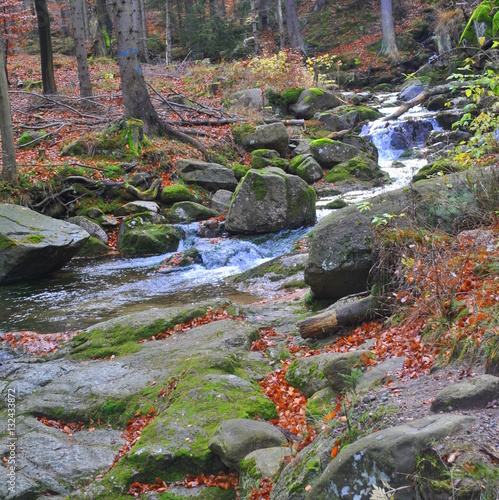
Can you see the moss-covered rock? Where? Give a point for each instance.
(139, 235)
(240, 131)
(321, 403)
(31, 139)
(269, 200)
(360, 167)
(312, 101)
(272, 136)
(438, 167)
(188, 211)
(261, 158)
(175, 193)
(93, 247)
(329, 153)
(179, 260)
(282, 102)
(336, 204)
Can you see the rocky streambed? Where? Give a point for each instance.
(184, 371)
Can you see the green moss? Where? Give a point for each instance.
(316, 92)
(93, 247)
(34, 239)
(295, 162)
(31, 139)
(480, 15)
(6, 243)
(274, 270)
(175, 193)
(285, 100)
(321, 142)
(240, 170)
(307, 99)
(336, 204)
(239, 132)
(444, 166)
(259, 188)
(360, 167)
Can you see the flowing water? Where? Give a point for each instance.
(86, 292)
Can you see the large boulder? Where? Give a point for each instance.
(211, 176)
(92, 228)
(387, 456)
(306, 167)
(329, 153)
(273, 136)
(313, 100)
(33, 245)
(144, 234)
(340, 256)
(238, 437)
(270, 200)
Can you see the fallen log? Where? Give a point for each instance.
(408, 105)
(343, 313)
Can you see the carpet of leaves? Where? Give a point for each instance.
(35, 344)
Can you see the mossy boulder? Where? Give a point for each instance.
(306, 167)
(362, 168)
(272, 136)
(269, 200)
(236, 438)
(31, 139)
(364, 145)
(93, 247)
(175, 193)
(211, 176)
(140, 235)
(312, 101)
(307, 374)
(282, 102)
(189, 211)
(438, 167)
(336, 204)
(261, 158)
(329, 153)
(480, 24)
(249, 98)
(240, 131)
(33, 245)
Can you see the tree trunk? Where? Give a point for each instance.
(46, 56)
(294, 36)
(254, 25)
(136, 101)
(77, 8)
(138, 27)
(389, 45)
(101, 44)
(143, 20)
(282, 37)
(168, 59)
(9, 169)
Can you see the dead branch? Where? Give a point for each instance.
(408, 105)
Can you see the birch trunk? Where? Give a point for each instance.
(168, 59)
(254, 25)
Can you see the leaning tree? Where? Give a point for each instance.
(136, 100)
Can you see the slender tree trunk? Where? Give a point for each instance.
(138, 29)
(254, 25)
(389, 45)
(143, 20)
(282, 37)
(168, 34)
(4, 46)
(77, 8)
(9, 168)
(102, 40)
(46, 56)
(294, 36)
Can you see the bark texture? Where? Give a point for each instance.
(388, 45)
(80, 47)
(294, 36)
(46, 56)
(9, 169)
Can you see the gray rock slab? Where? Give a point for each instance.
(475, 392)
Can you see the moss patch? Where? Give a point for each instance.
(240, 170)
(6, 243)
(121, 339)
(175, 193)
(239, 132)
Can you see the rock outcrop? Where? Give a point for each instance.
(33, 245)
(211, 176)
